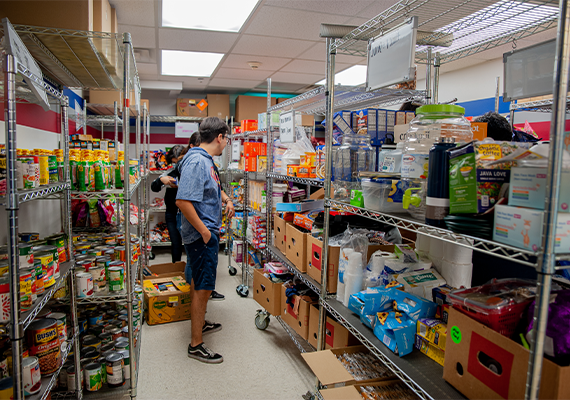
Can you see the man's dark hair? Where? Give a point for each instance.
(174, 152)
(409, 106)
(194, 140)
(211, 127)
(498, 127)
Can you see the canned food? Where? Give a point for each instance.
(4, 265)
(4, 370)
(115, 333)
(29, 236)
(26, 255)
(112, 314)
(93, 342)
(107, 352)
(82, 247)
(86, 264)
(71, 378)
(96, 330)
(89, 354)
(26, 288)
(60, 242)
(61, 328)
(53, 175)
(60, 293)
(126, 363)
(122, 345)
(39, 276)
(31, 376)
(93, 380)
(43, 342)
(115, 377)
(116, 279)
(121, 240)
(99, 282)
(107, 346)
(84, 284)
(88, 337)
(82, 325)
(63, 375)
(105, 337)
(125, 331)
(124, 319)
(120, 253)
(6, 385)
(95, 319)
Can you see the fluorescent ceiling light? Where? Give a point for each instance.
(353, 76)
(189, 63)
(209, 15)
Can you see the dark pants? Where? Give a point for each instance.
(175, 238)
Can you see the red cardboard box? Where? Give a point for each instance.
(337, 336)
(313, 325)
(267, 293)
(299, 320)
(251, 164)
(296, 247)
(248, 125)
(483, 364)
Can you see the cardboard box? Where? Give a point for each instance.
(352, 392)
(330, 371)
(167, 270)
(280, 234)
(248, 107)
(250, 164)
(527, 188)
(167, 306)
(219, 106)
(114, 21)
(109, 97)
(313, 325)
(430, 350)
(434, 331)
(302, 206)
(337, 336)
(299, 320)
(478, 352)
(267, 293)
(63, 14)
(522, 227)
(189, 108)
(102, 16)
(296, 247)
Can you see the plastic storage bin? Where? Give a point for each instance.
(498, 304)
(383, 194)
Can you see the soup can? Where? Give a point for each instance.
(39, 276)
(107, 349)
(43, 341)
(31, 376)
(115, 333)
(71, 387)
(53, 250)
(116, 279)
(126, 363)
(101, 360)
(63, 375)
(60, 242)
(86, 264)
(120, 253)
(121, 240)
(29, 236)
(95, 319)
(26, 288)
(84, 284)
(115, 377)
(99, 282)
(106, 338)
(26, 255)
(93, 381)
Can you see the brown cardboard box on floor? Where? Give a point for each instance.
(313, 325)
(337, 336)
(296, 247)
(63, 14)
(299, 320)
(167, 270)
(218, 105)
(168, 305)
(267, 293)
(476, 352)
(330, 371)
(280, 234)
(248, 107)
(189, 108)
(352, 392)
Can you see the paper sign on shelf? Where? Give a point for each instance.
(287, 127)
(185, 129)
(25, 61)
(391, 57)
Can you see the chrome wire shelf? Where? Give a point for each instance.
(256, 176)
(258, 134)
(506, 252)
(537, 106)
(105, 194)
(174, 118)
(105, 120)
(423, 375)
(302, 344)
(306, 279)
(303, 181)
(39, 193)
(347, 98)
(457, 28)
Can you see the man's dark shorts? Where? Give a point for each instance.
(202, 263)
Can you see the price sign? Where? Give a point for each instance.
(24, 59)
(287, 127)
(185, 129)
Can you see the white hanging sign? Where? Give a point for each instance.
(391, 57)
(185, 129)
(24, 59)
(287, 127)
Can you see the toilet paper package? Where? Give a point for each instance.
(456, 253)
(457, 275)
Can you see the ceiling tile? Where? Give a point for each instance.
(319, 53)
(147, 69)
(337, 7)
(135, 12)
(283, 87)
(141, 36)
(375, 8)
(270, 46)
(305, 66)
(195, 40)
(289, 23)
(235, 73)
(297, 78)
(234, 83)
(267, 63)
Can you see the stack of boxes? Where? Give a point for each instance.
(255, 156)
(86, 142)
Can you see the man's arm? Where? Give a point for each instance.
(189, 212)
(230, 210)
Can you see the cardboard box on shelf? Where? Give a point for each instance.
(108, 97)
(63, 14)
(313, 325)
(351, 392)
(102, 16)
(267, 293)
(337, 336)
(219, 106)
(114, 21)
(280, 234)
(167, 270)
(296, 247)
(189, 108)
(302, 206)
(298, 319)
(527, 188)
(250, 164)
(170, 305)
(330, 371)
(248, 107)
(475, 354)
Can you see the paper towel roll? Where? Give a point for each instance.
(354, 263)
(377, 263)
(340, 291)
(435, 248)
(343, 263)
(423, 243)
(457, 275)
(457, 254)
(436, 262)
(353, 285)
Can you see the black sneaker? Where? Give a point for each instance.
(215, 296)
(204, 354)
(211, 327)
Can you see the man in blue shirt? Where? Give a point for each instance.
(200, 200)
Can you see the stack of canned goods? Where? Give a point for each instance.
(100, 262)
(39, 263)
(38, 167)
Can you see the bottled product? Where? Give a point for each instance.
(437, 201)
(384, 151)
(392, 162)
(352, 157)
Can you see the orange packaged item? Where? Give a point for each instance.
(251, 164)
(306, 220)
(312, 172)
(311, 158)
(248, 125)
(303, 171)
(292, 169)
(262, 149)
(303, 159)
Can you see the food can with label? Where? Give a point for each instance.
(101, 360)
(99, 282)
(71, 378)
(63, 374)
(62, 324)
(116, 279)
(93, 381)
(94, 319)
(85, 264)
(52, 169)
(126, 363)
(115, 333)
(115, 377)
(106, 338)
(44, 170)
(53, 250)
(106, 348)
(31, 376)
(29, 236)
(43, 341)
(7, 388)
(39, 276)
(120, 253)
(26, 288)
(60, 242)
(84, 284)
(26, 255)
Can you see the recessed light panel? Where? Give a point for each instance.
(208, 15)
(189, 63)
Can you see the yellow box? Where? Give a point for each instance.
(433, 352)
(433, 330)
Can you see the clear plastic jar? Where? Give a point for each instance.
(353, 156)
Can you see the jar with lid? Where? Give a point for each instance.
(355, 155)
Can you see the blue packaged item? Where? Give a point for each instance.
(368, 320)
(378, 299)
(396, 331)
(356, 302)
(414, 306)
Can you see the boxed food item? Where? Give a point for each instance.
(522, 227)
(421, 283)
(301, 206)
(166, 270)
(296, 247)
(475, 183)
(528, 188)
(167, 300)
(248, 125)
(306, 219)
(296, 315)
(476, 352)
(433, 330)
(266, 293)
(396, 330)
(430, 350)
